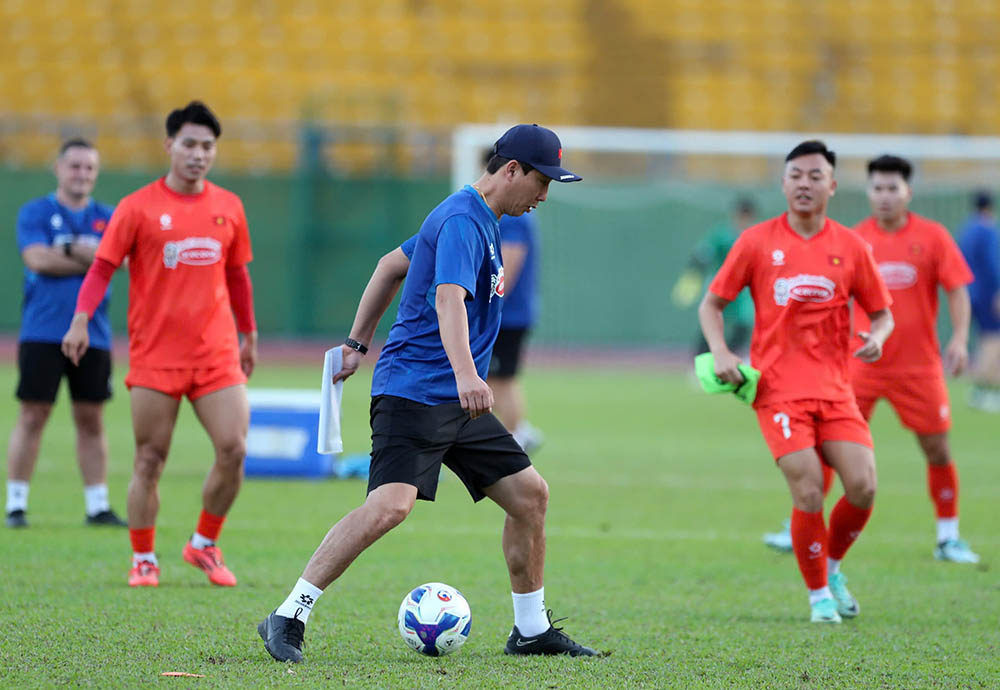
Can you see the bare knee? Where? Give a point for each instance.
(33, 417)
(808, 499)
(936, 449)
(149, 462)
(860, 491)
(88, 421)
(532, 501)
(230, 453)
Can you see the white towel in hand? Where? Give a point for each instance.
(329, 440)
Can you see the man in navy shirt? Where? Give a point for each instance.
(430, 401)
(57, 236)
(520, 252)
(979, 240)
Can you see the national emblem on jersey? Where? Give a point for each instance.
(803, 288)
(193, 251)
(898, 275)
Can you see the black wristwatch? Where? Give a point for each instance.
(355, 345)
(68, 248)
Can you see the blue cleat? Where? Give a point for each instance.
(780, 541)
(825, 611)
(956, 551)
(847, 605)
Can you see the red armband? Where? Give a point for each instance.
(95, 286)
(241, 297)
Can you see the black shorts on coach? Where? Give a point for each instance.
(43, 365)
(506, 358)
(411, 440)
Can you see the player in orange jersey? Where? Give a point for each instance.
(187, 245)
(915, 255)
(802, 269)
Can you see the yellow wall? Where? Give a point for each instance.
(828, 65)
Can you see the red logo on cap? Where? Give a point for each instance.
(560, 154)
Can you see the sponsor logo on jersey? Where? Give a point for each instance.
(496, 284)
(898, 275)
(777, 258)
(803, 288)
(193, 251)
(166, 222)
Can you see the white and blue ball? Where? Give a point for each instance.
(435, 619)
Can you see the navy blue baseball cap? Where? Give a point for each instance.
(538, 147)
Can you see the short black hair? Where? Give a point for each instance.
(74, 143)
(813, 146)
(496, 162)
(982, 199)
(891, 164)
(745, 205)
(196, 113)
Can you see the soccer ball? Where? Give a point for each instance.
(434, 619)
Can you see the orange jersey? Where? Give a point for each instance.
(913, 261)
(178, 246)
(800, 290)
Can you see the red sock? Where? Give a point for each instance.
(828, 475)
(942, 482)
(210, 525)
(846, 523)
(142, 539)
(809, 545)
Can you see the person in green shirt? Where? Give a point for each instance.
(706, 260)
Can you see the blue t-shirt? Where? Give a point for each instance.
(520, 303)
(980, 244)
(458, 243)
(49, 301)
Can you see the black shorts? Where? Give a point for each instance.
(507, 352)
(42, 366)
(410, 441)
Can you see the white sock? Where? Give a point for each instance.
(149, 556)
(200, 541)
(17, 495)
(96, 499)
(300, 601)
(947, 529)
(819, 594)
(832, 566)
(529, 613)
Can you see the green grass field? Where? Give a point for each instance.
(659, 498)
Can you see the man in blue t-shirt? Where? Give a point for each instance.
(430, 401)
(519, 246)
(979, 240)
(57, 236)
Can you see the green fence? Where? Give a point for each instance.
(610, 251)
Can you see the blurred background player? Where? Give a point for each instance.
(519, 248)
(980, 242)
(915, 255)
(708, 256)
(802, 269)
(187, 243)
(57, 235)
(430, 401)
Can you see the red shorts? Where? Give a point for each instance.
(194, 383)
(799, 424)
(920, 399)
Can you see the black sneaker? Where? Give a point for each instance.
(552, 641)
(106, 518)
(282, 637)
(17, 518)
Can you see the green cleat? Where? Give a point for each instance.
(847, 605)
(825, 611)
(780, 541)
(956, 551)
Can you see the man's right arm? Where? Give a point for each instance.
(389, 274)
(714, 329)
